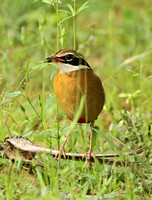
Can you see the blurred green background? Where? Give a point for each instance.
(107, 33)
(115, 36)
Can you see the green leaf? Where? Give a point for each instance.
(133, 152)
(123, 95)
(19, 163)
(13, 94)
(108, 139)
(65, 11)
(45, 136)
(52, 2)
(84, 6)
(79, 111)
(136, 93)
(47, 1)
(40, 65)
(27, 65)
(62, 31)
(53, 73)
(25, 69)
(28, 134)
(71, 8)
(26, 117)
(22, 108)
(40, 178)
(64, 19)
(94, 139)
(48, 102)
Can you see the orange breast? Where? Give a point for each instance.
(72, 86)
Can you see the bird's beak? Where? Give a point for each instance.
(52, 59)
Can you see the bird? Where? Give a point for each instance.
(74, 81)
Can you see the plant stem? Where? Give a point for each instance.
(28, 99)
(1, 121)
(43, 101)
(141, 86)
(57, 21)
(58, 133)
(58, 126)
(74, 25)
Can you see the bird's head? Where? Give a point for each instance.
(68, 60)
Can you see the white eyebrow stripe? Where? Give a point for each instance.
(68, 54)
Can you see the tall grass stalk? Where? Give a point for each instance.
(74, 25)
(29, 101)
(141, 85)
(57, 105)
(57, 22)
(43, 102)
(1, 121)
(111, 34)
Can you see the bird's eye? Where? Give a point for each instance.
(69, 56)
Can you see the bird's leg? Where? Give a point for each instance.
(89, 153)
(62, 148)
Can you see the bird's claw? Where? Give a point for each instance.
(90, 154)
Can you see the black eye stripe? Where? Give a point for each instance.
(69, 57)
(72, 60)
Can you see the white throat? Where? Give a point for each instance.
(64, 68)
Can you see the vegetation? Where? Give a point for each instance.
(115, 36)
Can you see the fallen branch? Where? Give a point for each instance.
(16, 147)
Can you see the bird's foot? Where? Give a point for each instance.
(62, 151)
(90, 154)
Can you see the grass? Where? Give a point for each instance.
(115, 37)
